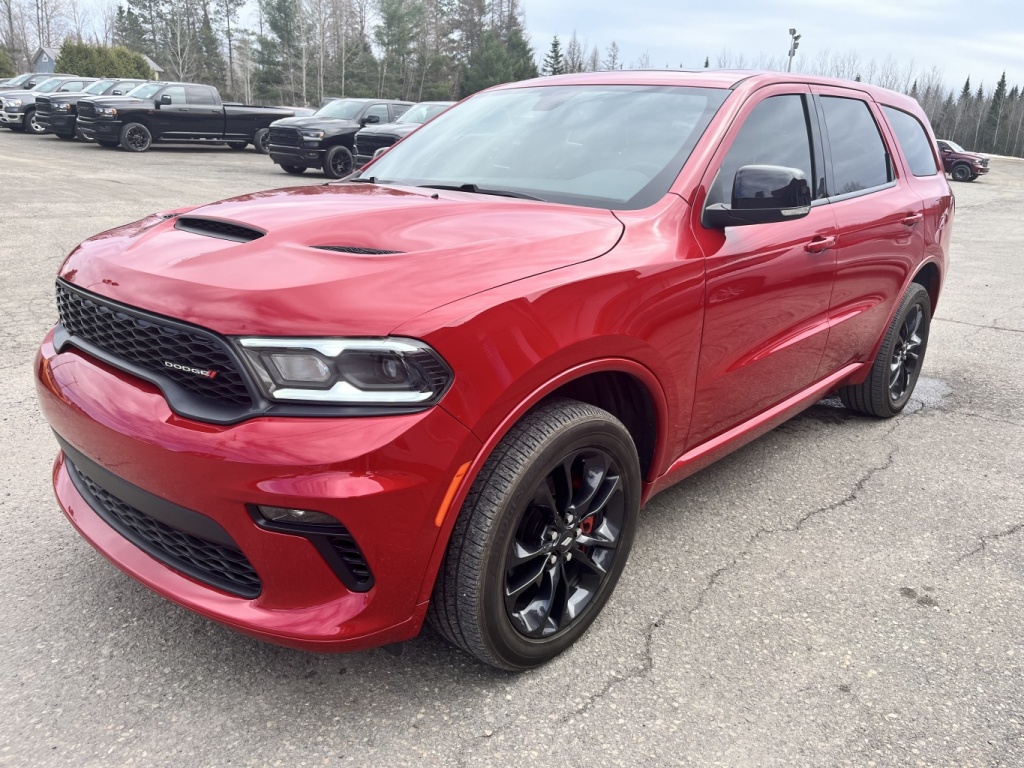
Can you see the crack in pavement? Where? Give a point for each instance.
(983, 541)
(978, 325)
(647, 664)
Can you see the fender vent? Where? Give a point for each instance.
(355, 249)
(225, 230)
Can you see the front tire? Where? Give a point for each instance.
(542, 537)
(238, 146)
(961, 173)
(135, 137)
(338, 162)
(887, 389)
(32, 125)
(261, 141)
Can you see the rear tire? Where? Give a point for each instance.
(887, 389)
(338, 162)
(106, 143)
(261, 141)
(135, 137)
(542, 537)
(294, 170)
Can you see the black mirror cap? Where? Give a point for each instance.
(166, 99)
(371, 120)
(762, 194)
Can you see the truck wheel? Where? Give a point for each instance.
(961, 173)
(294, 170)
(65, 136)
(238, 145)
(82, 137)
(31, 124)
(106, 143)
(542, 537)
(338, 162)
(261, 141)
(135, 137)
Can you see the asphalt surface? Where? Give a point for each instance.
(843, 591)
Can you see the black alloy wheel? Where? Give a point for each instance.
(542, 537)
(961, 173)
(338, 162)
(888, 387)
(261, 141)
(565, 543)
(135, 137)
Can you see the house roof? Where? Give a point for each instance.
(53, 53)
(152, 64)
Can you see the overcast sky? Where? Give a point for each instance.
(980, 38)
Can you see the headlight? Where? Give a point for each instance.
(62, 107)
(12, 102)
(388, 371)
(106, 112)
(312, 134)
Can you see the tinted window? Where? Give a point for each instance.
(775, 133)
(913, 140)
(197, 95)
(343, 109)
(176, 92)
(380, 110)
(397, 110)
(859, 159)
(72, 86)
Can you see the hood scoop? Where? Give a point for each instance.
(224, 230)
(357, 250)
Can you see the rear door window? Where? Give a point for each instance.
(913, 140)
(776, 132)
(199, 95)
(859, 158)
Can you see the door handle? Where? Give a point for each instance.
(912, 219)
(819, 244)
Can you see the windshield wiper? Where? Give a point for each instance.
(482, 191)
(365, 180)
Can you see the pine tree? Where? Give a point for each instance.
(707, 62)
(554, 64)
(6, 64)
(611, 61)
(965, 94)
(994, 118)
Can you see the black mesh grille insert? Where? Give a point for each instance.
(225, 230)
(219, 566)
(367, 145)
(86, 109)
(43, 106)
(146, 341)
(355, 249)
(288, 137)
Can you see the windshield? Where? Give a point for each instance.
(99, 87)
(145, 91)
(19, 80)
(420, 113)
(954, 146)
(601, 146)
(48, 85)
(343, 109)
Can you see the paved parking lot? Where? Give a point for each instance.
(842, 591)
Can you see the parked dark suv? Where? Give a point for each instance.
(373, 138)
(445, 389)
(326, 139)
(961, 164)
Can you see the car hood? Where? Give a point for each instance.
(449, 245)
(391, 129)
(116, 101)
(313, 121)
(21, 93)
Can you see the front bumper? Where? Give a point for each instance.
(384, 478)
(104, 130)
(301, 157)
(60, 122)
(11, 118)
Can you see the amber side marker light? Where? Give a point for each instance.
(442, 513)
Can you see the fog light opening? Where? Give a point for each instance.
(299, 516)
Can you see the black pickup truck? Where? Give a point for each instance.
(174, 113)
(58, 113)
(326, 139)
(18, 108)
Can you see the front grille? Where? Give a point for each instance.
(225, 230)
(984, 162)
(43, 106)
(222, 567)
(355, 249)
(151, 342)
(86, 109)
(367, 145)
(288, 137)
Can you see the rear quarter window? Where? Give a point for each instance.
(913, 140)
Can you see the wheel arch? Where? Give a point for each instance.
(607, 383)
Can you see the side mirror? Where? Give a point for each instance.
(946, 151)
(116, 93)
(762, 194)
(166, 99)
(371, 119)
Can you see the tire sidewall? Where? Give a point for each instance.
(916, 296)
(259, 141)
(124, 133)
(31, 126)
(329, 158)
(504, 643)
(961, 173)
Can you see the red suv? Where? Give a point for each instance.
(444, 388)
